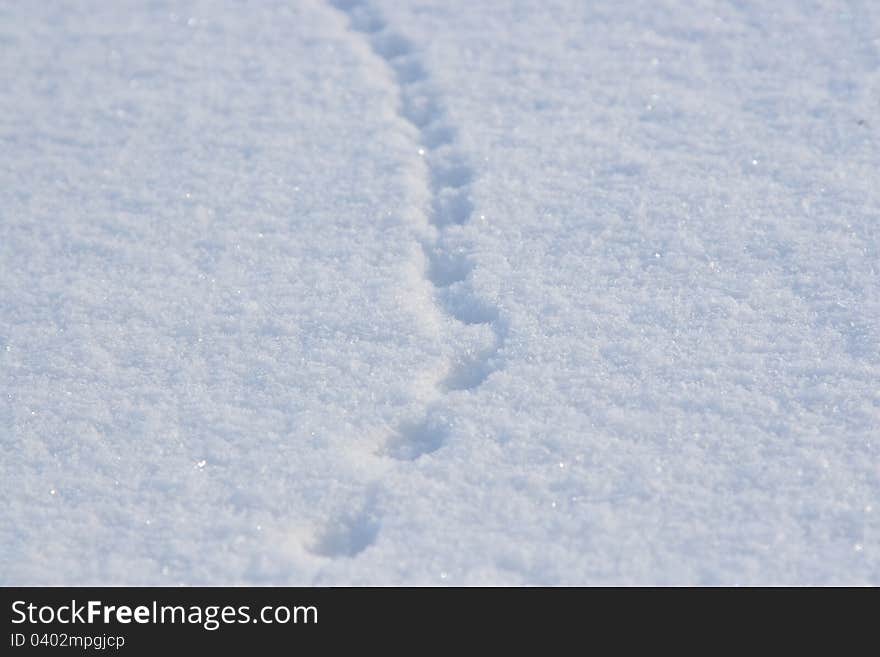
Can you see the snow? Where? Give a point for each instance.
(439, 292)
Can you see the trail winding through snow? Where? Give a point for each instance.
(448, 264)
(447, 177)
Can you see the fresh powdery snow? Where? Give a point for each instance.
(440, 292)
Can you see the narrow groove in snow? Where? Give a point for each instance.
(449, 183)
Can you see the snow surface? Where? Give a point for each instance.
(440, 292)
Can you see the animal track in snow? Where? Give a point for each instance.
(416, 439)
(348, 534)
(448, 267)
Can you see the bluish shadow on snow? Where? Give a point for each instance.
(416, 439)
(348, 535)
